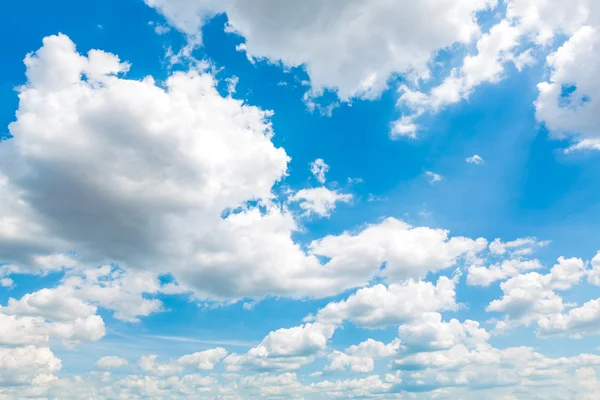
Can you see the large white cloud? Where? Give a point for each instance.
(20, 365)
(530, 297)
(353, 46)
(407, 251)
(378, 306)
(158, 179)
(567, 103)
(361, 358)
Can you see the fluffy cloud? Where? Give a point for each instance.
(286, 348)
(21, 365)
(203, 360)
(594, 273)
(567, 103)
(320, 201)
(19, 331)
(407, 251)
(111, 362)
(53, 312)
(484, 276)
(340, 50)
(361, 358)
(487, 65)
(531, 297)
(474, 159)
(378, 306)
(584, 320)
(430, 333)
(77, 117)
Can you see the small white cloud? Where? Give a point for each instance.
(7, 283)
(111, 362)
(231, 84)
(433, 177)
(319, 169)
(475, 159)
(320, 201)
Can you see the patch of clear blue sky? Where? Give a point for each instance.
(526, 187)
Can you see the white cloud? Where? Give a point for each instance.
(53, 312)
(402, 250)
(320, 201)
(318, 168)
(53, 304)
(340, 49)
(432, 177)
(149, 364)
(430, 333)
(203, 360)
(286, 348)
(118, 290)
(361, 358)
(20, 331)
(573, 112)
(517, 247)
(584, 320)
(594, 273)
(351, 388)
(7, 283)
(487, 65)
(474, 159)
(111, 362)
(484, 276)
(532, 297)
(20, 365)
(378, 306)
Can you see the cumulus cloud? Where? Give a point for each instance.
(567, 103)
(430, 333)
(21, 365)
(532, 296)
(361, 358)
(378, 306)
(320, 201)
(111, 362)
(484, 276)
(340, 49)
(78, 116)
(203, 360)
(403, 251)
(284, 349)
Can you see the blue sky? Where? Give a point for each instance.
(166, 232)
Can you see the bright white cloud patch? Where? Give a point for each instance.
(113, 182)
(567, 103)
(379, 306)
(532, 297)
(21, 365)
(111, 362)
(474, 159)
(320, 201)
(318, 168)
(336, 42)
